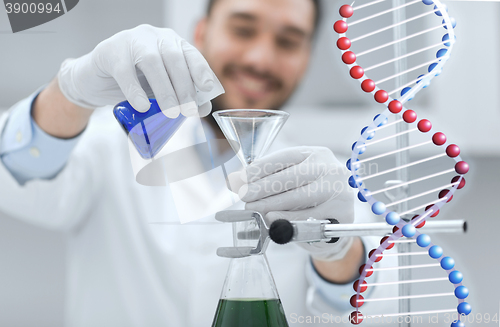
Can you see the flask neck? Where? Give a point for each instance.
(249, 278)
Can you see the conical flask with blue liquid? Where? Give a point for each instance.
(149, 131)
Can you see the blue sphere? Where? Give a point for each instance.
(423, 240)
(464, 308)
(348, 165)
(409, 230)
(392, 218)
(446, 37)
(447, 263)
(435, 252)
(378, 208)
(352, 182)
(368, 136)
(360, 150)
(431, 67)
(455, 277)
(383, 122)
(453, 23)
(439, 12)
(461, 292)
(361, 197)
(420, 80)
(457, 323)
(405, 90)
(441, 52)
(428, 2)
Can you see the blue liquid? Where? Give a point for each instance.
(149, 131)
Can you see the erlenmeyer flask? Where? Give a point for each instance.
(249, 296)
(149, 131)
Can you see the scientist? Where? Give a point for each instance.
(65, 166)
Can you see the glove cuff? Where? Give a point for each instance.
(335, 251)
(68, 85)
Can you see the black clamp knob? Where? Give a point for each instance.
(333, 239)
(281, 231)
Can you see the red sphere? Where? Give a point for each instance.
(368, 85)
(363, 287)
(421, 224)
(462, 182)
(395, 229)
(340, 26)
(381, 96)
(378, 258)
(348, 57)
(462, 167)
(435, 213)
(343, 43)
(357, 303)
(357, 72)
(424, 125)
(368, 273)
(390, 246)
(452, 150)
(443, 193)
(356, 317)
(395, 106)
(439, 138)
(409, 116)
(346, 11)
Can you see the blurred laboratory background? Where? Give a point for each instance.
(328, 109)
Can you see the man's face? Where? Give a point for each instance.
(259, 49)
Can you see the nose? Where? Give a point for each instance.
(261, 54)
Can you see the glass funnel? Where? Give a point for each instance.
(250, 132)
(249, 296)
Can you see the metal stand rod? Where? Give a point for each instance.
(283, 231)
(402, 158)
(380, 229)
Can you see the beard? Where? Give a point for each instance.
(274, 84)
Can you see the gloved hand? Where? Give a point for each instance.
(296, 184)
(137, 63)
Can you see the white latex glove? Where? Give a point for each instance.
(137, 63)
(296, 184)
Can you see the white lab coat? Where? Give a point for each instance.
(122, 269)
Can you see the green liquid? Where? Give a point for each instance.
(250, 313)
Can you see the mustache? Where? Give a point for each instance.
(274, 82)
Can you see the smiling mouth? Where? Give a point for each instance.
(251, 85)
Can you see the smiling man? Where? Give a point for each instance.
(67, 168)
(258, 49)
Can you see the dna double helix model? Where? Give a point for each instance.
(377, 51)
